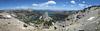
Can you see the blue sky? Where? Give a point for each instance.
(48, 4)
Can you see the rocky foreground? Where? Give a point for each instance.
(13, 24)
(85, 20)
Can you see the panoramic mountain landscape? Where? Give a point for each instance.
(49, 15)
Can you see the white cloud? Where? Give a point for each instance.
(84, 5)
(35, 4)
(46, 4)
(83, 2)
(73, 2)
(50, 2)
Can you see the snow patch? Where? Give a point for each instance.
(91, 18)
(9, 16)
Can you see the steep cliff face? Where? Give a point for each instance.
(85, 20)
(90, 20)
